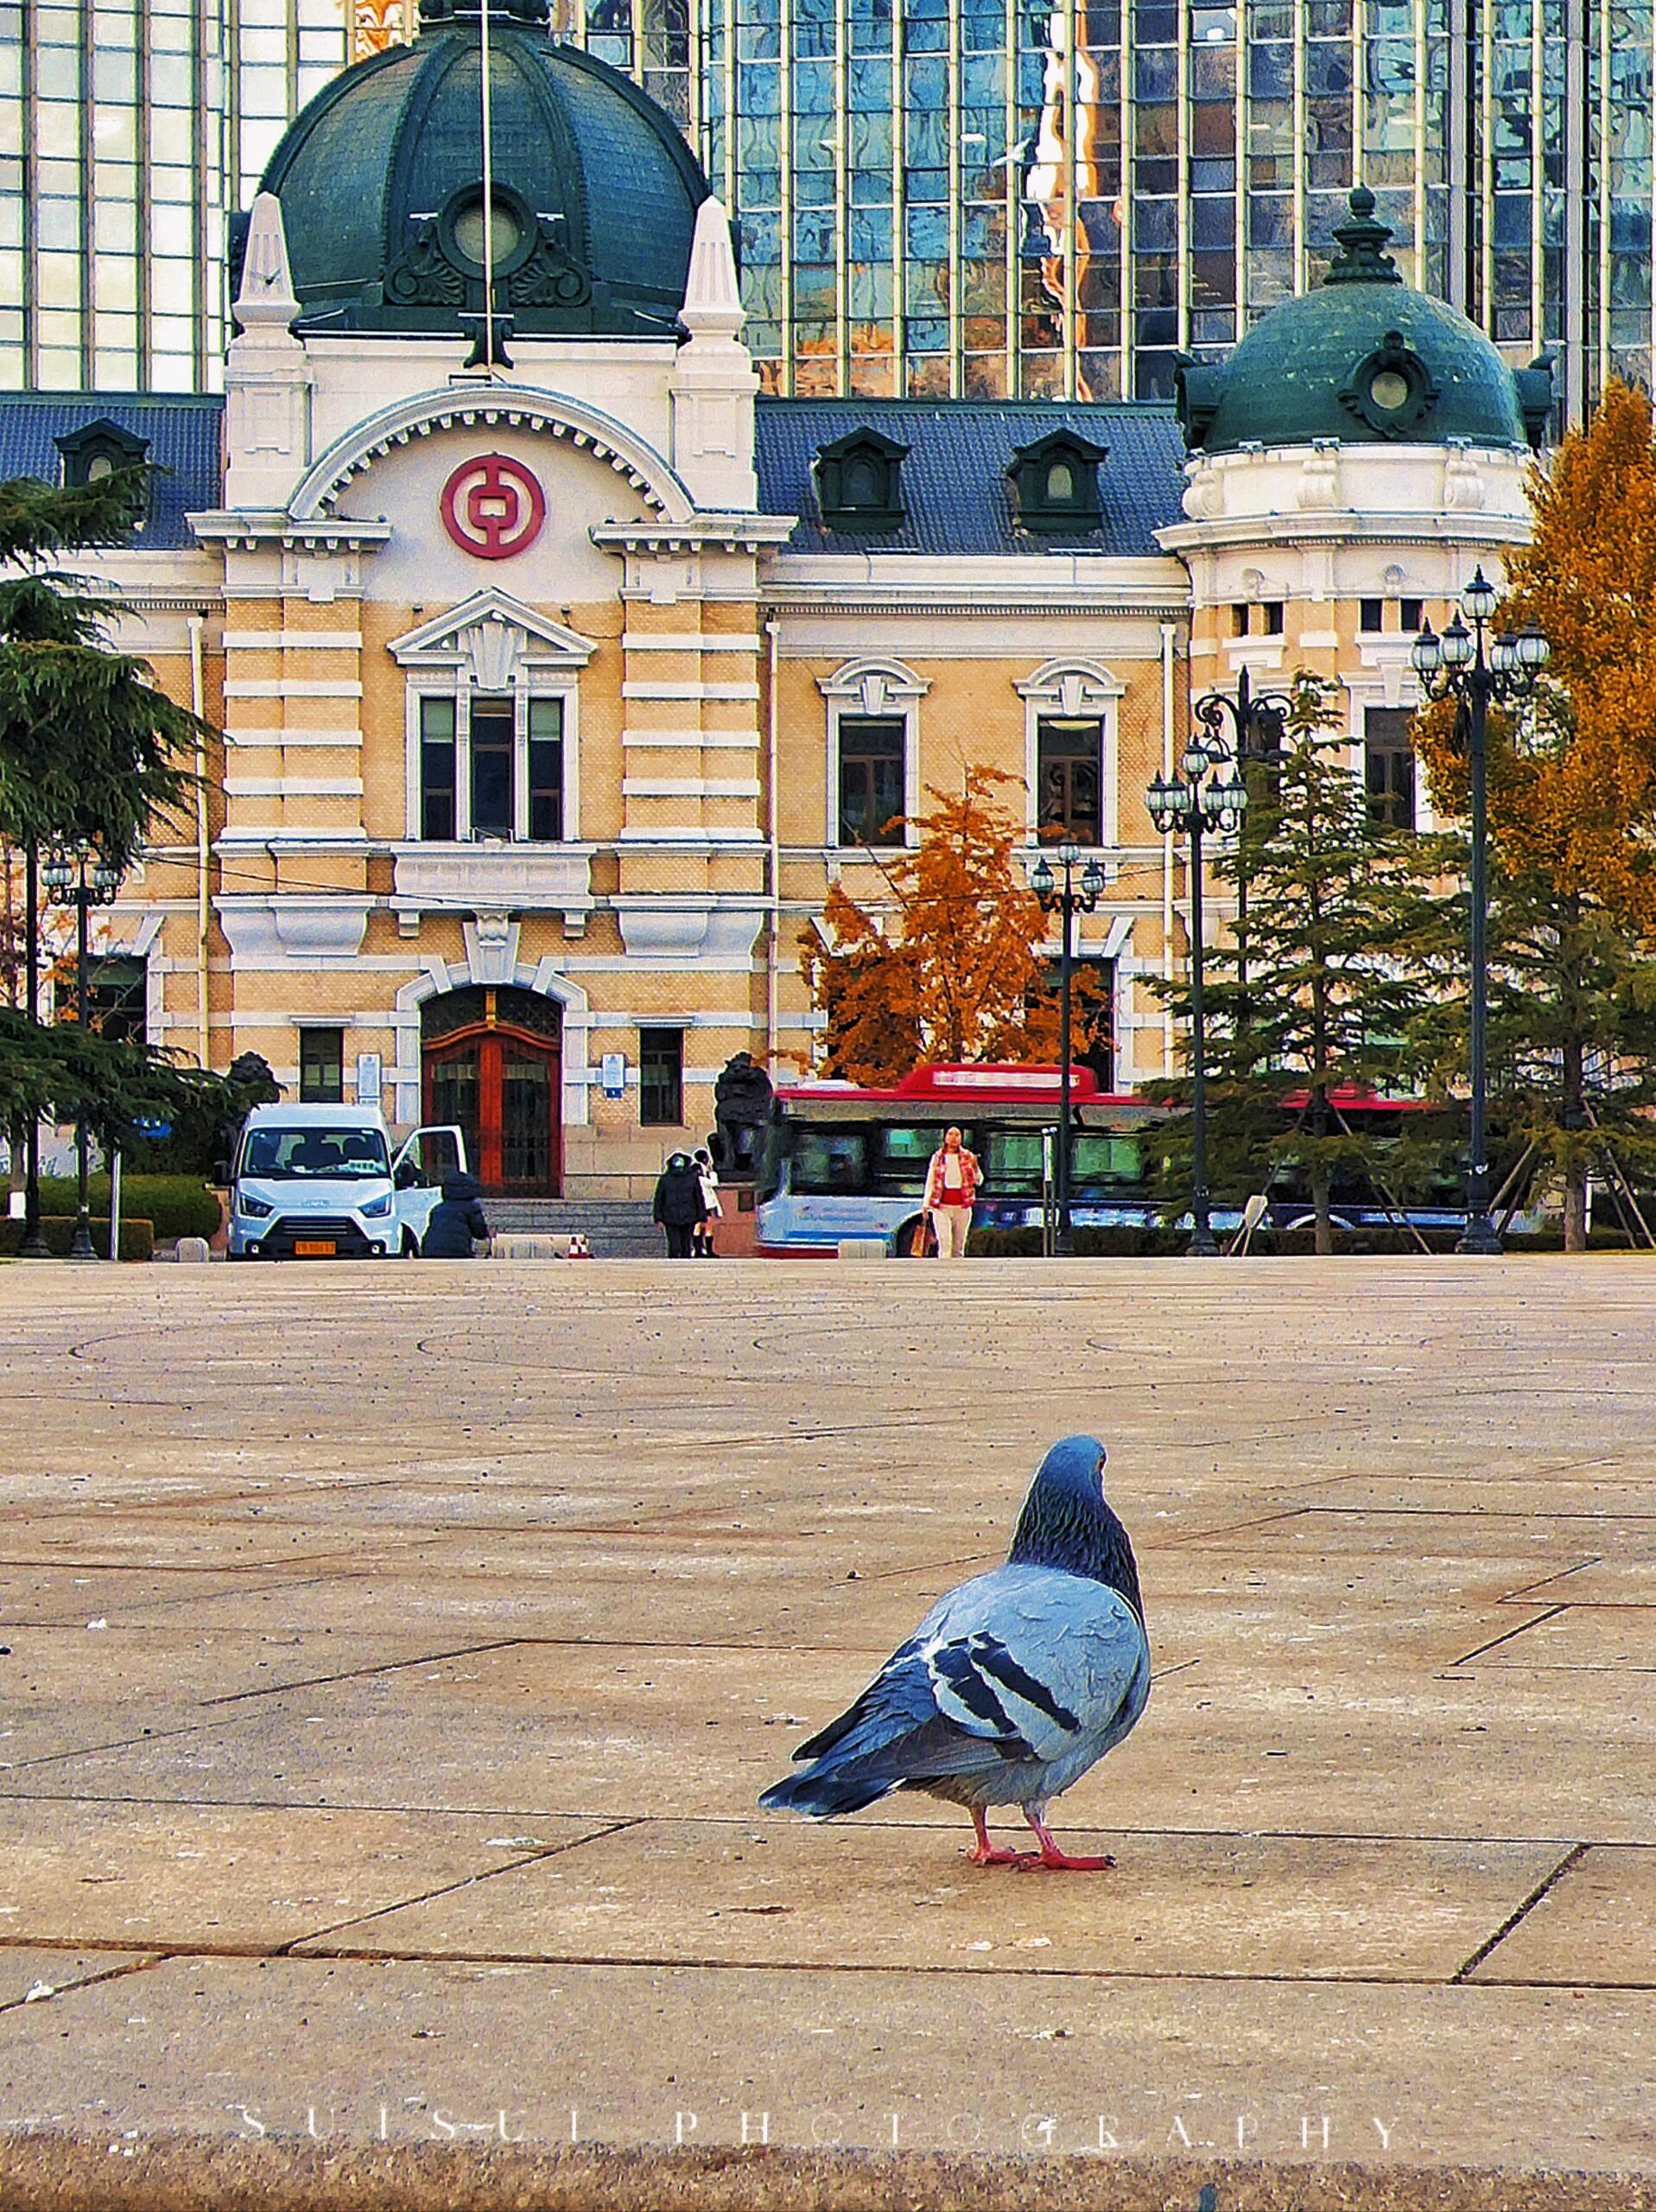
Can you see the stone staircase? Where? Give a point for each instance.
(617, 1229)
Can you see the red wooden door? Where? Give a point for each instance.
(501, 1085)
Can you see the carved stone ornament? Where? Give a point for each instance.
(1391, 390)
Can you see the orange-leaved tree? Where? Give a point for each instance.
(948, 966)
(1574, 792)
(1572, 813)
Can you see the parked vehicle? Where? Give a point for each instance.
(322, 1183)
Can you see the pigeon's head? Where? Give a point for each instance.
(1067, 1522)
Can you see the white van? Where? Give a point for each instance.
(322, 1183)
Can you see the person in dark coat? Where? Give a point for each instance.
(456, 1220)
(681, 1206)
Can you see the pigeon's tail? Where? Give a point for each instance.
(825, 1791)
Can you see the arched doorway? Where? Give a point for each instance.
(491, 1060)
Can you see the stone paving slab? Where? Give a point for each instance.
(1002, 2064)
(250, 1877)
(1597, 1922)
(1267, 1906)
(469, 1612)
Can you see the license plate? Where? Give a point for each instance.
(314, 1249)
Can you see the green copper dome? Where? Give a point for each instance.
(380, 180)
(1363, 359)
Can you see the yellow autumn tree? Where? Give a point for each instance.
(949, 968)
(1575, 794)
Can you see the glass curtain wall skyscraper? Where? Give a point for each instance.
(989, 198)
(129, 130)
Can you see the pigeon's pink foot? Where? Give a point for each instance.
(985, 1853)
(1052, 1854)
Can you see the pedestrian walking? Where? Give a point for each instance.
(680, 1207)
(457, 1220)
(702, 1244)
(952, 1182)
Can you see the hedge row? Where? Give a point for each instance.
(179, 1205)
(138, 1237)
(1146, 1244)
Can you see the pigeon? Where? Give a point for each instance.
(1013, 1685)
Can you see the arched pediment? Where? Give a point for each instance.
(873, 685)
(1071, 687)
(500, 406)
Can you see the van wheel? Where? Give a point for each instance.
(915, 1240)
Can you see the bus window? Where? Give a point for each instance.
(828, 1160)
(904, 1155)
(1101, 1162)
(1013, 1169)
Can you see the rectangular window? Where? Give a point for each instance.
(1070, 779)
(1371, 615)
(493, 785)
(660, 1078)
(827, 1161)
(546, 770)
(872, 750)
(1412, 614)
(1239, 614)
(1389, 765)
(1271, 610)
(437, 793)
(321, 1067)
(116, 991)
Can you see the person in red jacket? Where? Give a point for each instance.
(952, 1183)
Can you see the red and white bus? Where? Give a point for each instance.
(842, 1161)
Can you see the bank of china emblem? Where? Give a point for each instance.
(493, 507)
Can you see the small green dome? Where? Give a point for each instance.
(1363, 359)
(380, 179)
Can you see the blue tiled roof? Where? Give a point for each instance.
(182, 429)
(956, 495)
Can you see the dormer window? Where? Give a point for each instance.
(859, 484)
(99, 449)
(1057, 481)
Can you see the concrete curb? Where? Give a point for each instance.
(45, 2171)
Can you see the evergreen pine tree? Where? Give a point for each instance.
(1319, 997)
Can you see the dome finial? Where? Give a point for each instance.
(1362, 259)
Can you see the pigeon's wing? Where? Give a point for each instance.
(1023, 1664)
(1044, 1659)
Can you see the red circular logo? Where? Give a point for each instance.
(493, 507)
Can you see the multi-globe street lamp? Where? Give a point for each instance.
(1476, 667)
(80, 877)
(1208, 795)
(1252, 726)
(1072, 900)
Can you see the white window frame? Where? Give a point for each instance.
(868, 689)
(1075, 690)
(490, 647)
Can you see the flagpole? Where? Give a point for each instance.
(488, 198)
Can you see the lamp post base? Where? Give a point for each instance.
(1203, 1244)
(80, 1245)
(33, 1246)
(1479, 1238)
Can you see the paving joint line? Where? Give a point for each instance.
(127, 1967)
(1573, 1857)
(465, 1882)
(1522, 1628)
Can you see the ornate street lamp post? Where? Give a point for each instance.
(1208, 795)
(1251, 728)
(1074, 898)
(1474, 667)
(82, 879)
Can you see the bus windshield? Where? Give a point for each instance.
(284, 1155)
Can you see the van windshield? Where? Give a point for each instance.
(281, 1155)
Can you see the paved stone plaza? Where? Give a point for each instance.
(393, 1657)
